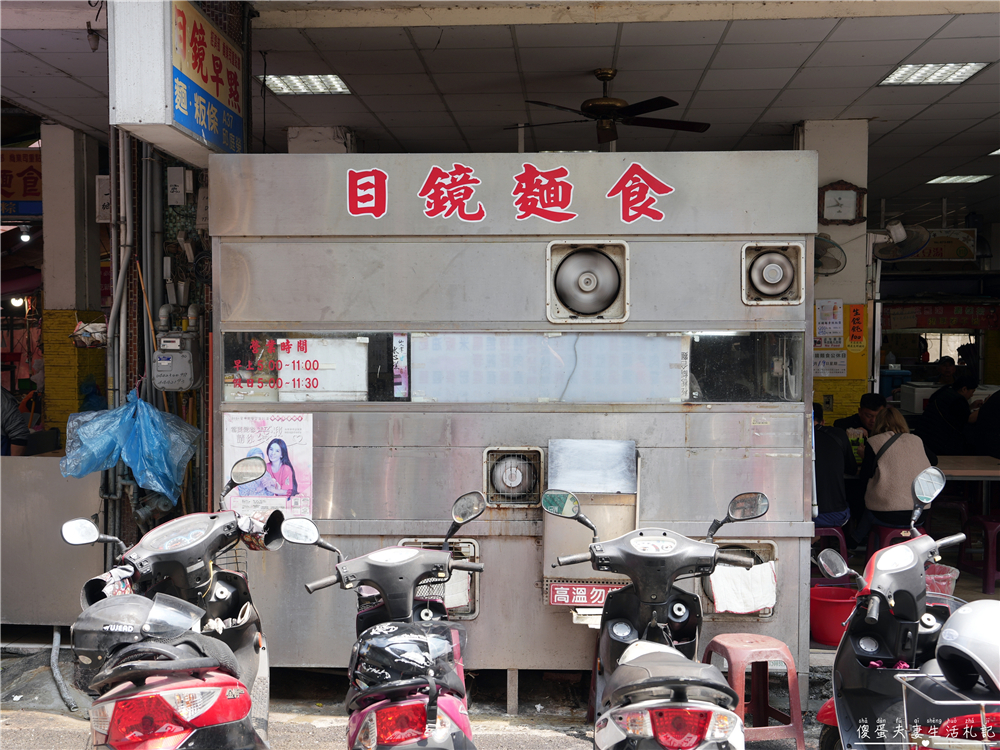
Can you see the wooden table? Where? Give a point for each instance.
(985, 469)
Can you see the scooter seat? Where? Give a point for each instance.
(666, 672)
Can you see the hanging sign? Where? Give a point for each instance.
(207, 80)
(949, 244)
(21, 187)
(856, 339)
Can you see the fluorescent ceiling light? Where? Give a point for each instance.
(932, 73)
(995, 153)
(959, 178)
(305, 84)
(590, 151)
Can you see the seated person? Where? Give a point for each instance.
(834, 459)
(947, 416)
(893, 458)
(986, 429)
(946, 370)
(871, 404)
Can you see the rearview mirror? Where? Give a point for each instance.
(80, 531)
(299, 531)
(747, 506)
(832, 564)
(468, 507)
(926, 486)
(560, 503)
(248, 470)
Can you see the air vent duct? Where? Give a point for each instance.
(512, 477)
(587, 282)
(773, 274)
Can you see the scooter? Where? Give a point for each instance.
(894, 631)
(177, 645)
(407, 682)
(649, 690)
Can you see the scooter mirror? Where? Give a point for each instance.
(926, 486)
(247, 470)
(80, 531)
(747, 506)
(299, 531)
(560, 503)
(832, 564)
(469, 506)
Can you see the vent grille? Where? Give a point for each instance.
(461, 593)
(512, 477)
(773, 274)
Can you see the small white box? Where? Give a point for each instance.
(913, 396)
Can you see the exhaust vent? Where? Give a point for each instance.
(587, 282)
(773, 274)
(512, 477)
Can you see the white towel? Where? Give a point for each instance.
(742, 591)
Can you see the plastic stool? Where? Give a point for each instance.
(988, 567)
(883, 536)
(740, 649)
(838, 533)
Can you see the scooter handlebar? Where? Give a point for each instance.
(323, 583)
(572, 559)
(472, 567)
(951, 541)
(731, 558)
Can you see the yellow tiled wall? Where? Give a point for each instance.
(67, 366)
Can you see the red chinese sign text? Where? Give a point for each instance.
(448, 193)
(367, 192)
(635, 187)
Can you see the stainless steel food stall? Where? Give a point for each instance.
(638, 325)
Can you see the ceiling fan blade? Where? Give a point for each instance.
(606, 133)
(655, 122)
(542, 124)
(556, 106)
(647, 105)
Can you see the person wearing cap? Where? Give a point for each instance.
(946, 370)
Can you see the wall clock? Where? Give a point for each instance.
(841, 203)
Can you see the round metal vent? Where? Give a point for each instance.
(587, 281)
(772, 273)
(513, 476)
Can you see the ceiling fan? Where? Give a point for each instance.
(607, 111)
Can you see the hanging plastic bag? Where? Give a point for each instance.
(158, 449)
(155, 445)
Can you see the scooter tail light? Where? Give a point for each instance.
(190, 704)
(147, 722)
(368, 734)
(100, 716)
(634, 723)
(401, 723)
(721, 726)
(680, 728)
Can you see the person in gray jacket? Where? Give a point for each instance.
(14, 430)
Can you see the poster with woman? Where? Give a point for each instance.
(284, 441)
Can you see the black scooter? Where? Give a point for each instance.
(177, 645)
(649, 690)
(892, 632)
(407, 681)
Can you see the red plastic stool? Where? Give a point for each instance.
(740, 649)
(883, 536)
(988, 567)
(838, 533)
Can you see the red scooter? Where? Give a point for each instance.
(177, 644)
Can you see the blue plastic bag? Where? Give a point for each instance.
(155, 445)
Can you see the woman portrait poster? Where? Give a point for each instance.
(284, 441)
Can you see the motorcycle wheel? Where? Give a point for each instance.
(829, 739)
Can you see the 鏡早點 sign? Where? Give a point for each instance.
(207, 82)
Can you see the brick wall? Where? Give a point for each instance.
(846, 394)
(67, 366)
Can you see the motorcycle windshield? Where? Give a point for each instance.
(170, 617)
(394, 651)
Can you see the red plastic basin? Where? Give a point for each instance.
(829, 607)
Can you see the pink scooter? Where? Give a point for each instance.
(407, 682)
